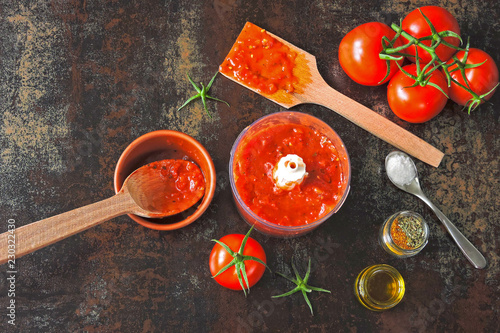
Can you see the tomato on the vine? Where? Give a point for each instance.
(359, 54)
(420, 103)
(442, 20)
(482, 79)
(237, 261)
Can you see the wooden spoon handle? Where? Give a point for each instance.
(375, 124)
(36, 235)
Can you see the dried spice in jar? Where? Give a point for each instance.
(408, 232)
(404, 234)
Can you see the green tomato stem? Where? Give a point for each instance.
(302, 285)
(203, 94)
(239, 260)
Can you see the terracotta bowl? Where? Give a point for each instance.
(160, 145)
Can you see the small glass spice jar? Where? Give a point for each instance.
(404, 234)
(379, 287)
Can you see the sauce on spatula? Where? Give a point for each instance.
(260, 61)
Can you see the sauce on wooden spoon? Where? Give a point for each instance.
(166, 187)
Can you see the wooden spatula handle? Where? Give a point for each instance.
(376, 124)
(36, 235)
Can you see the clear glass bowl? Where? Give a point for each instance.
(274, 119)
(388, 243)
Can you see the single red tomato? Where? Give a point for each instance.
(414, 23)
(481, 79)
(220, 258)
(416, 104)
(359, 54)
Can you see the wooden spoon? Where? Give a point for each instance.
(312, 88)
(155, 190)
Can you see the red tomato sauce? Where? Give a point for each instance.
(315, 197)
(260, 61)
(176, 153)
(182, 181)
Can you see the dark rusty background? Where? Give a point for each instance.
(80, 80)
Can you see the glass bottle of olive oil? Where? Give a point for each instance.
(379, 287)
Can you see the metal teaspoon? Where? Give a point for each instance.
(413, 187)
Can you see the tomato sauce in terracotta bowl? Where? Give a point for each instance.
(161, 145)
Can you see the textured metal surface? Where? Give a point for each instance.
(79, 80)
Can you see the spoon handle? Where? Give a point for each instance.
(469, 250)
(34, 236)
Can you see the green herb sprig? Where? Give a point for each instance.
(203, 94)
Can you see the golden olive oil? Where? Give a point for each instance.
(379, 287)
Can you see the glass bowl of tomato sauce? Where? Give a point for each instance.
(288, 212)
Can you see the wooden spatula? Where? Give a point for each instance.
(312, 88)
